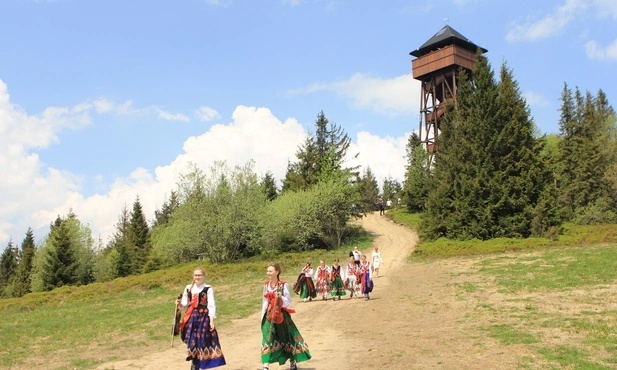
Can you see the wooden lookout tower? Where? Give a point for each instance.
(437, 63)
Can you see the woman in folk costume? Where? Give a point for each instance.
(336, 277)
(365, 277)
(281, 339)
(305, 286)
(197, 328)
(351, 282)
(323, 280)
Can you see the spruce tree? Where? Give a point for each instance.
(320, 158)
(163, 216)
(139, 236)
(368, 190)
(487, 178)
(516, 178)
(60, 263)
(8, 267)
(23, 278)
(586, 158)
(416, 184)
(268, 184)
(120, 261)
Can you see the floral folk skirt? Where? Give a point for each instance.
(204, 349)
(338, 289)
(281, 342)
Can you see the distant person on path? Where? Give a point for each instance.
(337, 278)
(323, 280)
(197, 325)
(365, 277)
(380, 206)
(389, 203)
(356, 254)
(281, 339)
(305, 286)
(377, 261)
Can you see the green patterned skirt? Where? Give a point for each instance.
(282, 341)
(338, 289)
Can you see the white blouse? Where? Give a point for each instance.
(267, 288)
(196, 289)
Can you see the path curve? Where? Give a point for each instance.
(414, 320)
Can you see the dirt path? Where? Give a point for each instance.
(413, 321)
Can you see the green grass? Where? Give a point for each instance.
(556, 269)
(572, 235)
(400, 215)
(508, 334)
(558, 302)
(80, 327)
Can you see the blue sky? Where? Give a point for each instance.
(102, 101)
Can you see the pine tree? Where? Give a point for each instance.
(23, 278)
(320, 158)
(120, 258)
(8, 267)
(268, 184)
(517, 176)
(487, 179)
(60, 263)
(586, 158)
(390, 189)
(163, 216)
(139, 236)
(416, 184)
(368, 188)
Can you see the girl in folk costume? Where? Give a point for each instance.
(365, 277)
(336, 277)
(281, 339)
(197, 325)
(351, 282)
(323, 280)
(304, 285)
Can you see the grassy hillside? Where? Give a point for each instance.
(555, 298)
(79, 327)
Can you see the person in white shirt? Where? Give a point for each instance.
(377, 261)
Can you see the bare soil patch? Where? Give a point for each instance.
(414, 320)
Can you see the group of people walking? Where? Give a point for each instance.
(281, 339)
(335, 281)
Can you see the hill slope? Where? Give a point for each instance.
(413, 321)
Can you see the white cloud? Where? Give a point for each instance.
(595, 51)
(386, 96)
(535, 99)
(103, 105)
(207, 114)
(606, 8)
(554, 23)
(551, 25)
(384, 155)
(34, 194)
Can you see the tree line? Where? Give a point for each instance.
(492, 176)
(220, 214)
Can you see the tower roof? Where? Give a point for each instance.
(446, 36)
